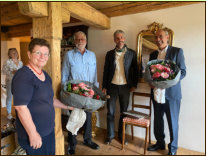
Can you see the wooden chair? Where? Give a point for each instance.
(135, 118)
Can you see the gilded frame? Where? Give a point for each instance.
(152, 29)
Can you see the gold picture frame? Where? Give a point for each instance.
(146, 44)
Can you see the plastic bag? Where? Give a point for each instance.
(76, 120)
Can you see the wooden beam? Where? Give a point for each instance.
(138, 7)
(50, 28)
(40, 9)
(34, 9)
(65, 15)
(87, 14)
(19, 30)
(10, 15)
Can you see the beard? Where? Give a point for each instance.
(120, 45)
(80, 46)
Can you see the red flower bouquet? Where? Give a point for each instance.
(83, 90)
(83, 95)
(162, 73)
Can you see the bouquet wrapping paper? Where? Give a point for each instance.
(79, 101)
(162, 82)
(161, 74)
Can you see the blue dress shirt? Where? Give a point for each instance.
(76, 66)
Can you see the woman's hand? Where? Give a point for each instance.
(70, 108)
(28, 124)
(59, 104)
(35, 140)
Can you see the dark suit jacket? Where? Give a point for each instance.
(174, 54)
(130, 68)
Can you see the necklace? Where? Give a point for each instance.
(35, 69)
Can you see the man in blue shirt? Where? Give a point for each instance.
(80, 64)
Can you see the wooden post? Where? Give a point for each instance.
(50, 28)
(94, 121)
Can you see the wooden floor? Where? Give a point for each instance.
(134, 147)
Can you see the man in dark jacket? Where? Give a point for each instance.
(173, 95)
(119, 79)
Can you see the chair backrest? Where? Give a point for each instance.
(140, 105)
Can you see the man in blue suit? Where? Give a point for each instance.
(173, 95)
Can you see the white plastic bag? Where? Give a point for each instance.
(76, 120)
(159, 95)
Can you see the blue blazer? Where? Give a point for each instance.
(174, 54)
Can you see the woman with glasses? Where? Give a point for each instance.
(34, 102)
(9, 68)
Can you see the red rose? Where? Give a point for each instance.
(74, 85)
(98, 97)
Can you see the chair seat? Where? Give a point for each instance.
(142, 121)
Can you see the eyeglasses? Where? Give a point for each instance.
(80, 39)
(38, 53)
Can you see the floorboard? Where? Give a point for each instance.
(134, 147)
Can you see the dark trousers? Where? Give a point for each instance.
(171, 108)
(47, 148)
(87, 135)
(123, 92)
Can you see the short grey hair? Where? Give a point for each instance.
(165, 30)
(119, 32)
(79, 32)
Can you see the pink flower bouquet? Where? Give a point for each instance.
(83, 95)
(162, 73)
(83, 90)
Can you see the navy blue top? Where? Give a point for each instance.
(37, 95)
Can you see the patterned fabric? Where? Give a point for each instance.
(9, 66)
(142, 121)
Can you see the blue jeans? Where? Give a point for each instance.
(8, 96)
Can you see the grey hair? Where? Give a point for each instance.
(119, 32)
(165, 30)
(80, 32)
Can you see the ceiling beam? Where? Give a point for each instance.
(138, 7)
(65, 15)
(40, 9)
(10, 15)
(19, 30)
(87, 14)
(34, 9)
